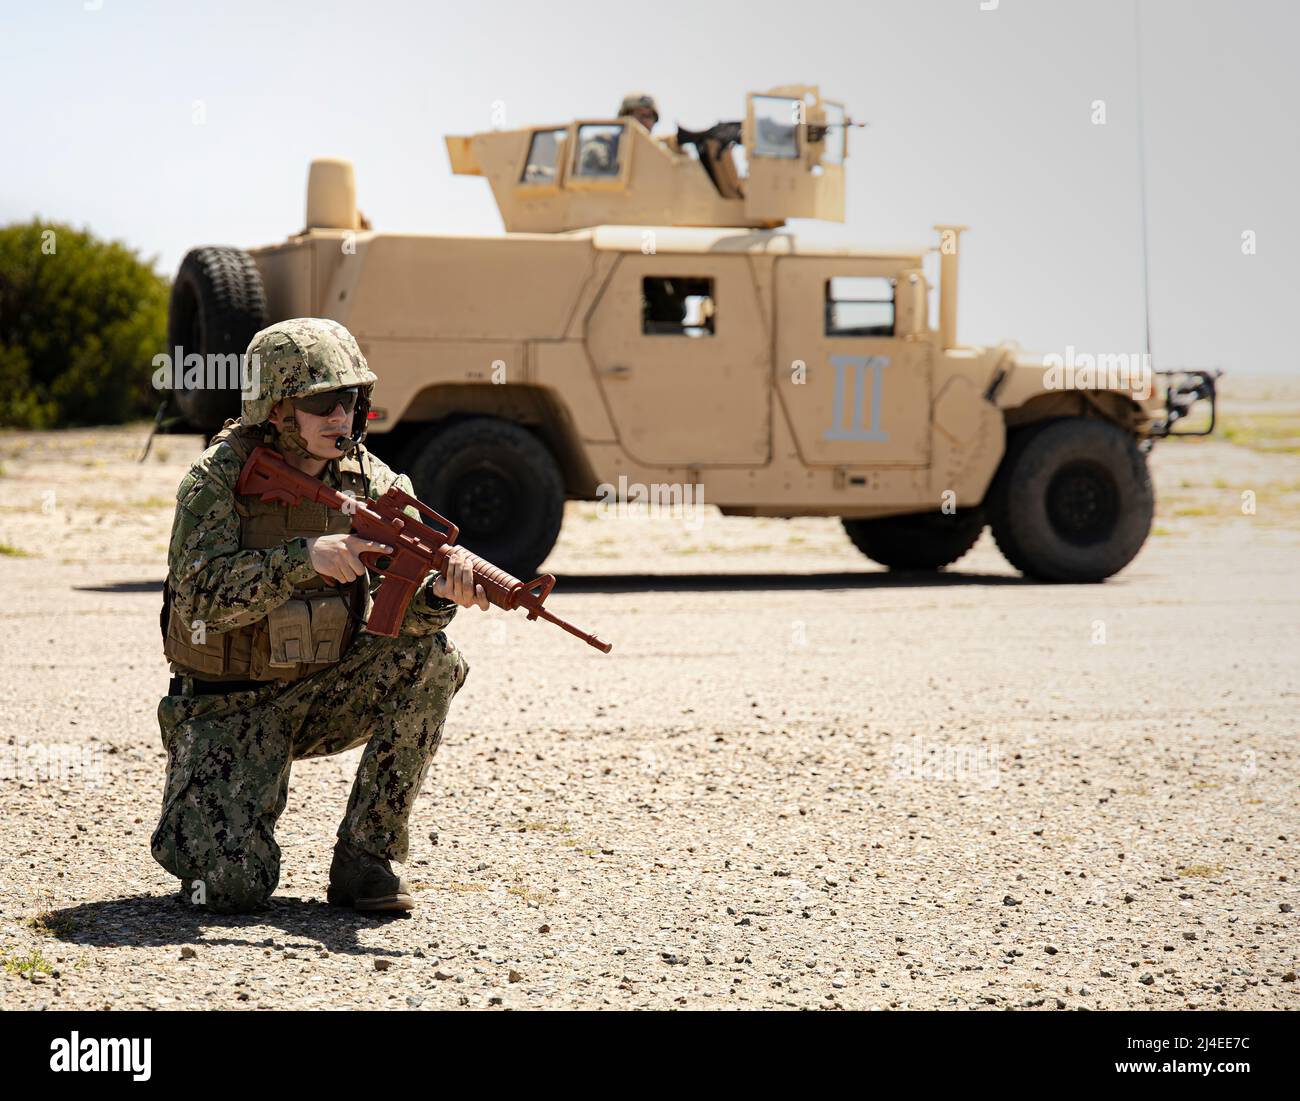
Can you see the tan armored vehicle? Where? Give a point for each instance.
(645, 316)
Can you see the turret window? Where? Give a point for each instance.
(543, 164)
(598, 147)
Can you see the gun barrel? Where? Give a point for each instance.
(590, 639)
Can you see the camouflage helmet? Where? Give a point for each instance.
(634, 100)
(307, 355)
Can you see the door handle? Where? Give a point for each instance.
(619, 371)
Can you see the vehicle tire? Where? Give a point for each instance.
(217, 305)
(1072, 500)
(922, 541)
(499, 484)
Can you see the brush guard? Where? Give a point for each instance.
(1182, 393)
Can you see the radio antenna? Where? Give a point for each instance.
(1142, 177)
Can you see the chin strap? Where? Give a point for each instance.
(291, 443)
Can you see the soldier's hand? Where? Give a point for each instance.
(338, 557)
(457, 582)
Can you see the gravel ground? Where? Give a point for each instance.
(797, 781)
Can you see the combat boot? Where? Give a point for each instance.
(366, 882)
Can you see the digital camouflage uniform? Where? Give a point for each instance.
(229, 755)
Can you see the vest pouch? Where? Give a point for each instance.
(194, 649)
(289, 634)
(329, 624)
(307, 630)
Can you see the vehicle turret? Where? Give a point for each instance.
(785, 159)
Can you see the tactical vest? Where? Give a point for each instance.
(312, 629)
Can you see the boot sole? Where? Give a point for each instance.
(383, 904)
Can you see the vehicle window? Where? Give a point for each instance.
(834, 149)
(776, 120)
(677, 306)
(597, 153)
(543, 163)
(858, 305)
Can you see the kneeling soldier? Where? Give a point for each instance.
(263, 619)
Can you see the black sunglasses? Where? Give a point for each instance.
(322, 405)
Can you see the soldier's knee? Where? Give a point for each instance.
(448, 664)
(438, 662)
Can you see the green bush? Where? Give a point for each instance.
(80, 322)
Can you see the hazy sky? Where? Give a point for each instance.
(170, 125)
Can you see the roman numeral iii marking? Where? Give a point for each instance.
(856, 430)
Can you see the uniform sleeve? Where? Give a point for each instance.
(427, 613)
(212, 579)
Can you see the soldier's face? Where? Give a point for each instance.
(318, 433)
(645, 117)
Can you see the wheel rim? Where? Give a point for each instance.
(1083, 503)
(484, 502)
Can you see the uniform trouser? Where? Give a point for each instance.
(228, 760)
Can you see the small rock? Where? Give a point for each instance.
(1189, 936)
(1285, 907)
(514, 976)
(1289, 977)
(441, 976)
(383, 965)
(414, 1002)
(1107, 974)
(544, 929)
(1060, 1004)
(1129, 898)
(188, 953)
(674, 960)
(1050, 950)
(1007, 900)
(1148, 979)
